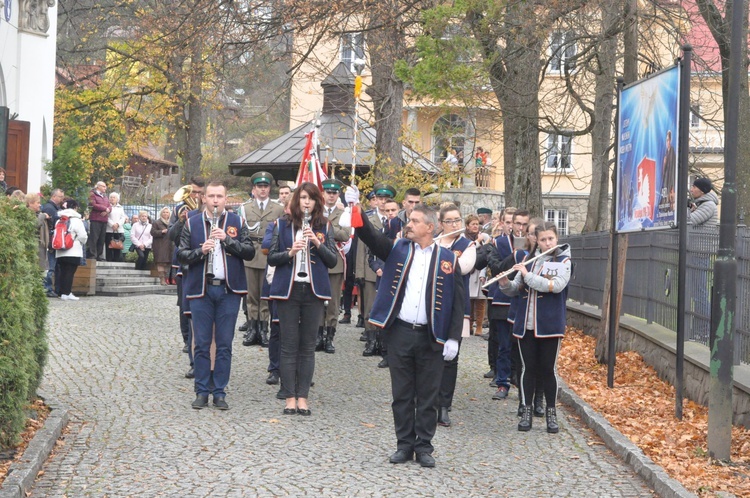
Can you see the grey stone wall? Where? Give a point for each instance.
(657, 346)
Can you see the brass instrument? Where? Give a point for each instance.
(183, 195)
(303, 255)
(210, 260)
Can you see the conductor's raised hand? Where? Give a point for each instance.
(352, 195)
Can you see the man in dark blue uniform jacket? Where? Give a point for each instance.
(420, 307)
(214, 250)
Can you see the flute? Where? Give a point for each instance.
(508, 272)
(454, 232)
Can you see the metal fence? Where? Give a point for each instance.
(650, 286)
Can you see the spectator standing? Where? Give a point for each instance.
(70, 259)
(100, 209)
(3, 185)
(476, 278)
(115, 229)
(140, 236)
(162, 245)
(34, 202)
(51, 208)
(126, 227)
(704, 208)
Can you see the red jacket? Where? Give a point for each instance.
(98, 204)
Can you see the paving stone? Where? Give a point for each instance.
(117, 364)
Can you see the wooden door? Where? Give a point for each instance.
(17, 157)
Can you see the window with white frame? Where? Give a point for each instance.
(448, 139)
(695, 113)
(352, 48)
(558, 154)
(563, 51)
(560, 218)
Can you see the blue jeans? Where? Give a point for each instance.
(52, 260)
(214, 315)
(504, 331)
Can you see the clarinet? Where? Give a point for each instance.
(303, 255)
(210, 259)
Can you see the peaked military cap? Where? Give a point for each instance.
(383, 190)
(484, 211)
(261, 177)
(332, 184)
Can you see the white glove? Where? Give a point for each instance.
(345, 220)
(352, 195)
(450, 349)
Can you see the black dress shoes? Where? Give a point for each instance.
(244, 326)
(280, 394)
(273, 378)
(401, 456)
(190, 374)
(346, 319)
(383, 363)
(305, 412)
(201, 401)
(360, 322)
(186, 348)
(220, 403)
(425, 460)
(290, 411)
(443, 419)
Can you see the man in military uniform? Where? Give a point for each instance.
(258, 213)
(367, 294)
(331, 189)
(485, 219)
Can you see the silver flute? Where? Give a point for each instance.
(303, 255)
(210, 260)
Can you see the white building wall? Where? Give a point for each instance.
(27, 61)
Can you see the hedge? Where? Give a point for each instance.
(23, 318)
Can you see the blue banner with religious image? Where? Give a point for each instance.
(647, 144)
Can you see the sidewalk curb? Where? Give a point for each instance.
(631, 454)
(22, 474)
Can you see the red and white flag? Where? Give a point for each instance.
(310, 169)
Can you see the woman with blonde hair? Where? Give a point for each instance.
(115, 229)
(162, 245)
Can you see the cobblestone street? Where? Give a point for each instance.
(117, 363)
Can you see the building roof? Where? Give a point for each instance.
(282, 156)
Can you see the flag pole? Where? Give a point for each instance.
(358, 65)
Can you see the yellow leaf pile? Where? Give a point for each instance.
(641, 406)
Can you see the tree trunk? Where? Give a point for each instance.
(386, 46)
(630, 41)
(195, 108)
(601, 135)
(721, 30)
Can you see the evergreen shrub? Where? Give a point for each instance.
(23, 318)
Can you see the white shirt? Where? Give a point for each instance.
(413, 309)
(218, 262)
(262, 204)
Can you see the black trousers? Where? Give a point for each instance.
(539, 362)
(68, 266)
(348, 290)
(299, 319)
(98, 232)
(113, 254)
(416, 367)
(448, 382)
(493, 344)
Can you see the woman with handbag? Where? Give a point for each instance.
(140, 236)
(162, 245)
(115, 236)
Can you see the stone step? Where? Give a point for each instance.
(121, 272)
(135, 290)
(125, 280)
(108, 264)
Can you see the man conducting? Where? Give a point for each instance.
(421, 319)
(213, 245)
